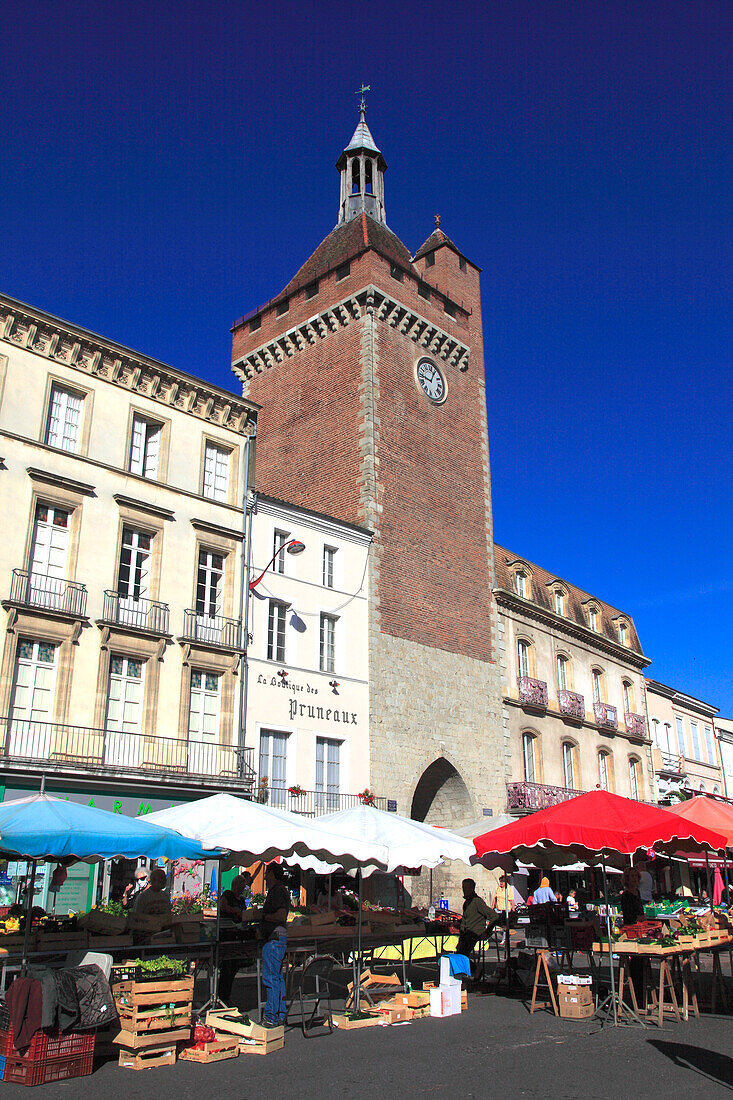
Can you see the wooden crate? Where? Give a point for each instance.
(148, 1058)
(345, 1024)
(131, 1040)
(219, 1050)
(154, 1006)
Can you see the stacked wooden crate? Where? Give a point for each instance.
(154, 1017)
(252, 1038)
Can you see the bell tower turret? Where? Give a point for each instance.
(362, 169)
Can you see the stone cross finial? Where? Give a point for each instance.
(437, 221)
(364, 88)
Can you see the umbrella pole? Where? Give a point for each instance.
(610, 944)
(213, 1001)
(707, 879)
(358, 952)
(28, 916)
(329, 890)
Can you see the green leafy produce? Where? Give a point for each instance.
(162, 962)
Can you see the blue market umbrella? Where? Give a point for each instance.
(43, 827)
(212, 884)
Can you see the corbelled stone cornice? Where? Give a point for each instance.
(320, 326)
(70, 346)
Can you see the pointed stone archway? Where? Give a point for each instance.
(441, 797)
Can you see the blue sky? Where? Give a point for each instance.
(166, 167)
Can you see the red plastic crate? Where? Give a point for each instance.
(49, 1044)
(27, 1071)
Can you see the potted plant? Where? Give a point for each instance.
(367, 797)
(296, 791)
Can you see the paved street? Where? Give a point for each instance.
(494, 1047)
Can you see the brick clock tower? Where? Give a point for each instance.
(369, 369)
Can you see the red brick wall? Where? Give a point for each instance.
(434, 575)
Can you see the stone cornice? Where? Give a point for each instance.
(123, 501)
(69, 346)
(320, 326)
(590, 638)
(46, 477)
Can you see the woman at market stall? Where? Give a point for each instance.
(632, 911)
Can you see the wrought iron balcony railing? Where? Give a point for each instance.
(527, 797)
(311, 803)
(48, 593)
(148, 615)
(571, 704)
(532, 693)
(636, 725)
(605, 715)
(212, 629)
(83, 748)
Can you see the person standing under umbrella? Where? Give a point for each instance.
(274, 932)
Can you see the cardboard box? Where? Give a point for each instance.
(394, 1013)
(579, 994)
(445, 1000)
(570, 1009)
(414, 999)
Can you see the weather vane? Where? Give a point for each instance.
(364, 88)
(437, 221)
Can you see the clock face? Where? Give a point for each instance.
(431, 381)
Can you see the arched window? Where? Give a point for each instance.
(703, 788)
(530, 753)
(563, 670)
(655, 733)
(523, 649)
(355, 176)
(635, 777)
(559, 601)
(569, 762)
(605, 770)
(599, 690)
(368, 177)
(593, 617)
(623, 633)
(520, 583)
(716, 789)
(628, 690)
(668, 737)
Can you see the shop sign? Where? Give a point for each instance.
(131, 805)
(307, 709)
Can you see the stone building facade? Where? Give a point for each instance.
(686, 752)
(574, 705)
(369, 369)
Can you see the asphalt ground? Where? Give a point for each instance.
(493, 1047)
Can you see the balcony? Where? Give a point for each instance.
(636, 725)
(76, 749)
(605, 716)
(311, 803)
(212, 630)
(148, 616)
(532, 693)
(48, 593)
(668, 763)
(525, 798)
(571, 704)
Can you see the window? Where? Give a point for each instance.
(424, 291)
(134, 572)
(328, 643)
(604, 770)
(209, 585)
(623, 632)
(47, 567)
(343, 271)
(628, 691)
(709, 744)
(329, 560)
(355, 176)
(280, 539)
(597, 680)
(396, 272)
(368, 177)
(529, 754)
(634, 777)
(255, 323)
(568, 763)
(695, 731)
(562, 673)
(520, 584)
(276, 631)
(283, 306)
(656, 734)
(124, 711)
(216, 472)
(462, 263)
(203, 721)
(144, 447)
(311, 290)
(430, 259)
(679, 723)
(449, 308)
(274, 764)
(63, 429)
(31, 708)
(559, 602)
(328, 763)
(523, 658)
(593, 618)
(667, 737)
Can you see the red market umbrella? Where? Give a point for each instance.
(593, 823)
(709, 813)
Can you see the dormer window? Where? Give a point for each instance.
(623, 633)
(593, 618)
(559, 602)
(520, 584)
